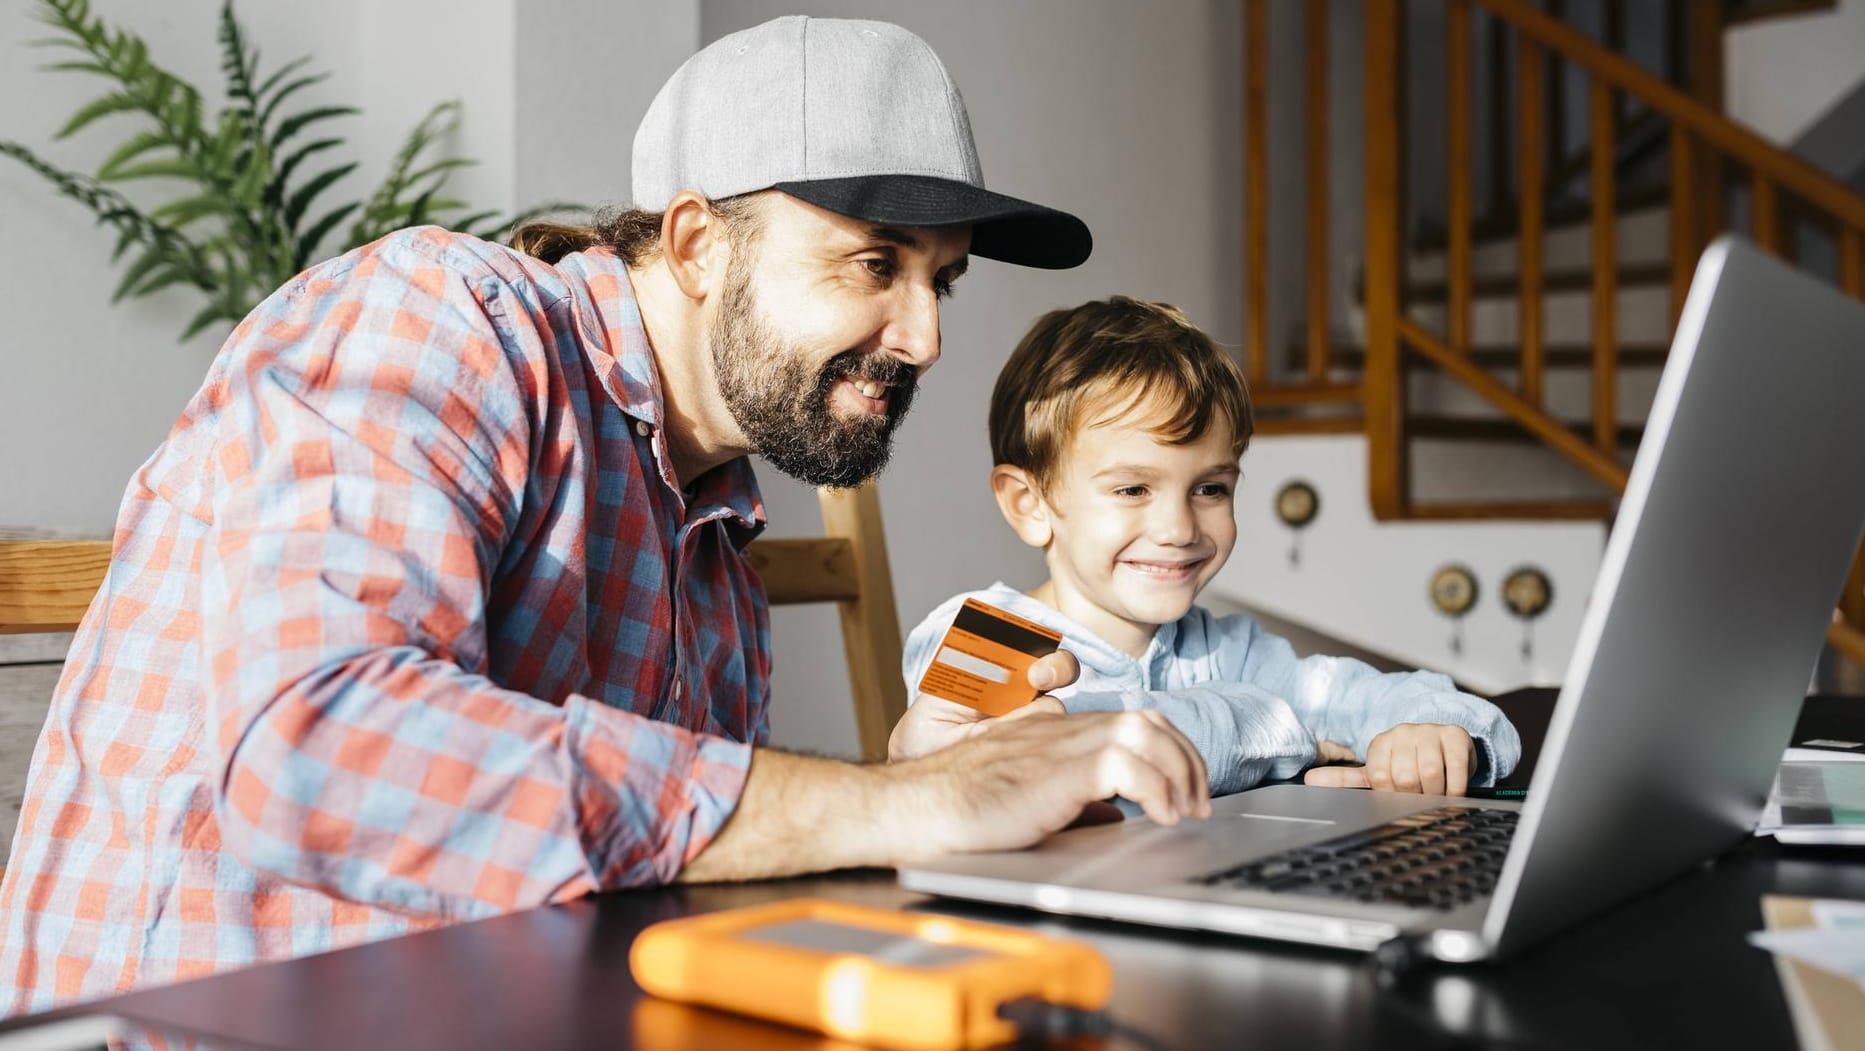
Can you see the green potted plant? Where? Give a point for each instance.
(248, 218)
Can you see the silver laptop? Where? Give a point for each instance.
(1742, 513)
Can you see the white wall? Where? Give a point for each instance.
(1781, 74)
(1368, 582)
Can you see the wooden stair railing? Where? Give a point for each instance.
(1701, 140)
(1324, 392)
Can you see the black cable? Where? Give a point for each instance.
(1043, 1023)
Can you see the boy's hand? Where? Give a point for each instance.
(1432, 758)
(933, 723)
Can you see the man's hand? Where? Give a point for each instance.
(933, 723)
(1004, 786)
(1432, 758)
(1025, 777)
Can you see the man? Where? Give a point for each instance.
(432, 604)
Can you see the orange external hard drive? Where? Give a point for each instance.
(982, 659)
(883, 977)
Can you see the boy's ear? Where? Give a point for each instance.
(692, 248)
(1022, 504)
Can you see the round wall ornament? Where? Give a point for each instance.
(1528, 593)
(1454, 592)
(1297, 504)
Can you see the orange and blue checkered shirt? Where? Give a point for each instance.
(409, 622)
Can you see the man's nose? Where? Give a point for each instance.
(913, 331)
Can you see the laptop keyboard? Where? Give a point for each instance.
(1437, 859)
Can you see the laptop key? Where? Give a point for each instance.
(1438, 859)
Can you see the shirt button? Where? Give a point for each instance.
(642, 428)
(676, 691)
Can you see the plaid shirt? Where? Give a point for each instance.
(409, 622)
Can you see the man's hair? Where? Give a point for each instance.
(1098, 361)
(634, 234)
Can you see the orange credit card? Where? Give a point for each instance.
(982, 661)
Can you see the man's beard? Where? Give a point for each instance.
(783, 407)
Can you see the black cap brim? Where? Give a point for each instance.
(1002, 228)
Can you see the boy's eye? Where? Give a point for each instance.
(1130, 490)
(1212, 489)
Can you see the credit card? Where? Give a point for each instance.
(982, 661)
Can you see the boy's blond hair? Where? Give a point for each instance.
(1100, 360)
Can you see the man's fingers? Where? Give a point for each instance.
(1199, 783)
(1153, 738)
(1128, 775)
(1431, 768)
(1337, 777)
(1053, 672)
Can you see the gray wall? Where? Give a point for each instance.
(1125, 114)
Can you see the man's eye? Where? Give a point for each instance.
(942, 287)
(881, 269)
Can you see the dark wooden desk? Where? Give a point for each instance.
(1669, 969)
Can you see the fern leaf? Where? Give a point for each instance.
(191, 209)
(111, 208)
(237, 61)
(115, 102)
(298, 121)
(136, 146)
(158, 281)
(288, 166)
(301, 199)
(144, 265)
(168, 169)
(308, 243)
(212, 313)
(281, 73)
(269, 106)
(439, 168)
(255, 173)
(385, 210)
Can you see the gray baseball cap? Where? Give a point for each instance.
(857, 117)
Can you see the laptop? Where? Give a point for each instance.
(1740, 519)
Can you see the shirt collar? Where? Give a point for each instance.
(616, 343)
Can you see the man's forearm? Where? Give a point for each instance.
(804, 814)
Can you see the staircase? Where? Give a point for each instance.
(1485, 386)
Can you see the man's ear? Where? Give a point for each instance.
(693, 247)
(1022, 504)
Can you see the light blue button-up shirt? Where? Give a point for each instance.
(1252, 708)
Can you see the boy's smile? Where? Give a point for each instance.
(1137, 526)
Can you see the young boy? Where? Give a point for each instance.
(1117, 428)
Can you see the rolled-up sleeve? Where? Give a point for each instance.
(374, 445)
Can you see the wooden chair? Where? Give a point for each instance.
(46, 585)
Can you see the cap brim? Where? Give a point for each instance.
(1002, 228)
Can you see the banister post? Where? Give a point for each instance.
(1384, 378)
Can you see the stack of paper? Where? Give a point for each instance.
(1819, 949)
(1817, 802)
